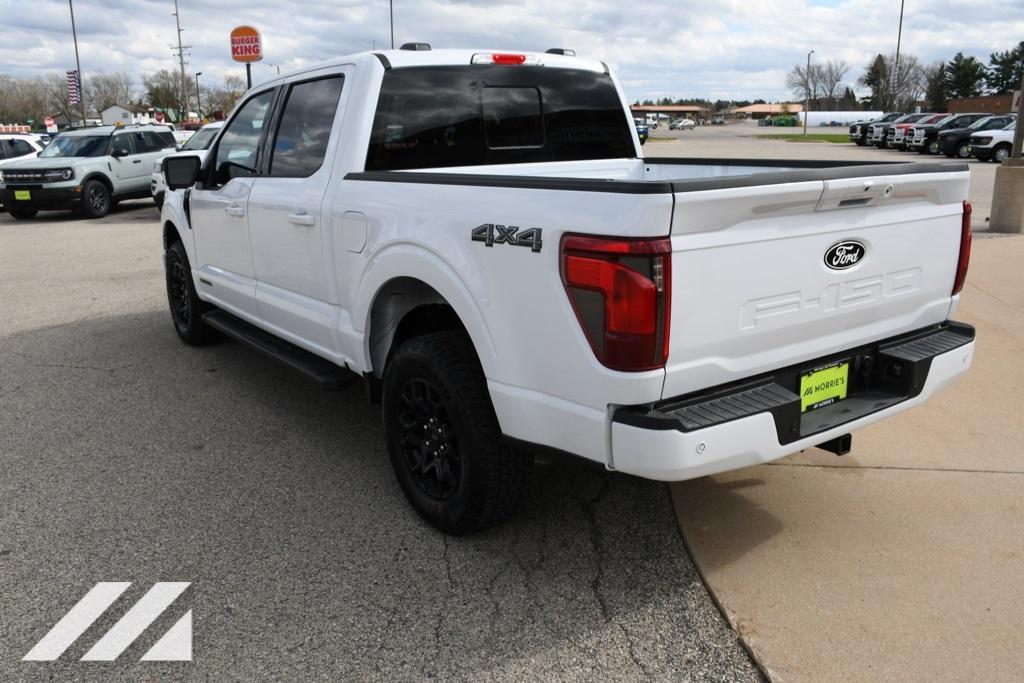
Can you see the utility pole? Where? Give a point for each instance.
(391, 6)
(181, 62)
(78, 63)
(807, 90)
(895, 87)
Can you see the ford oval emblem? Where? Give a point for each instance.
(844, 255)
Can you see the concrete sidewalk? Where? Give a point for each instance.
(904, 559)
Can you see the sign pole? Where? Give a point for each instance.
(248, 75)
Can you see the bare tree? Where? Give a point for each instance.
(223, 99)
(908, 83)
(832, 75)
(109, 89)
(798, 83)
(56, 89)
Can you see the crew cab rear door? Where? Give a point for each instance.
(771, 275)
(291, 256)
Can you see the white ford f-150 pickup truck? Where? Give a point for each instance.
(477, 236)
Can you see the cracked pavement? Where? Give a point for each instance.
(127, 456)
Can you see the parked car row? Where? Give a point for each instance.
(984, 136)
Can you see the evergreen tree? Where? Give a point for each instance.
(964, 76)
(876, 79)
(1004, 70)
(936, 91)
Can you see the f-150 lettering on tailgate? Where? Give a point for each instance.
(835, 297)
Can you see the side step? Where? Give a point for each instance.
(326, 374)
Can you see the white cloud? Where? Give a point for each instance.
(721, 49)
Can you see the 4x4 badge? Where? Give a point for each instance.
(491, 234)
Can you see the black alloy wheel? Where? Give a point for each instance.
(429, 444)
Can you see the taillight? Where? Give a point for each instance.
(965, 250)
(621, 292)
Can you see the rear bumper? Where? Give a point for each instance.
(43, 198)
(759, 420)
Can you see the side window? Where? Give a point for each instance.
(166, 139)
(236, 152)
(19, 148)
(305, 128)
(151, 141)
(121, 143)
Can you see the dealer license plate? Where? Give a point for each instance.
(824, 386)
(22, 195)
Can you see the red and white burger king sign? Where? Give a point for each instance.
(245, 45)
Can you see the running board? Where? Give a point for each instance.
(326, 374)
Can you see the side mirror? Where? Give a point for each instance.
(181, 172)
(118, 153)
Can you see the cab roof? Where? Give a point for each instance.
(398, 59)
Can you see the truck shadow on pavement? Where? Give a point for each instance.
(128, 456)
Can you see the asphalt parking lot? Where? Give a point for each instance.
(128, 456)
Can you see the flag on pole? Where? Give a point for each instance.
(74, 88)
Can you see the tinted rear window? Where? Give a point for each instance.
(436, 117)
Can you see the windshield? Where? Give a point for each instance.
(202, 139)
(981, 124)
(944, 120)
(77, 146)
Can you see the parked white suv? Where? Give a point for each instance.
(89, 170)
(15, 146)
(993, 144)
(197, 145)
(476, 236)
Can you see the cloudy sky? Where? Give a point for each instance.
(738, 49)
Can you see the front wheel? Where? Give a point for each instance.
(95, 199)
(443, 438)
(186, 307)
(934, 148)
(964, 151)
(1001, 153)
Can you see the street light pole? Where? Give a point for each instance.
(895, 85)
(199, 100)
(807, 90)
(78, 64)
(391, 7)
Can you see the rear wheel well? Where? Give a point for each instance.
(405, 308)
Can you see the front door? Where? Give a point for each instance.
(286, 221)
(219, 211)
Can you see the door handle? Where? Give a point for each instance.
(234, 210)
(137, 161)
(302, 219)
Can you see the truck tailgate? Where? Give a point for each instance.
(751, 290)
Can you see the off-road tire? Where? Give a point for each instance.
(185, 306)
(486, 477)
(22, 214)
(96, 201)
